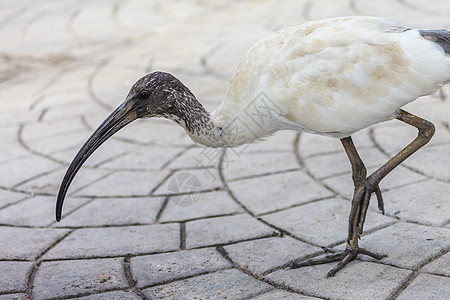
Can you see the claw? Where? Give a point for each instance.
(362, 198)
(359, 194)
(364, 207)
(379, 199)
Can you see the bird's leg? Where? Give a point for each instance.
(370, 185)
(358, 210)
(359, 205)
(364, 187)
(352, 249)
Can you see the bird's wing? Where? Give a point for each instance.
(337, 76)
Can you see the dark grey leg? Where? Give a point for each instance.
(426, 130)
(364, 187)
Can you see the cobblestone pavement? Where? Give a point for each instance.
(66, 64)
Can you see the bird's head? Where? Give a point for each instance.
(157, 94)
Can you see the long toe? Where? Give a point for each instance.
(371, 254)
(343, 257)
(327, 258)
(351, 255)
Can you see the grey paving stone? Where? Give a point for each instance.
(48, 145)
(116, 295)
(324, 222)
(280, 191)
(65, 278)
(86, 19)
(9, 135)
(18, 282)
(222, 230)
(14, 89)
(430, 160)
(78, 107)
(12, 172)
(376, 281)
(27, 243)
(129, 10)
(114, 211)
(236, 47)
(174, 58)
(201, 205)
(247, 165)
(407, 245)
(263, 254)
(8, 197)
(144, 158)
(10, 117)
(18, 296)
(423, 202)
(50, 183)
(321, 10)
(431, 108)
(72, 85)
(281, 141)
(232, 284)
(111, 148)
(399, 177)
(312, 145)
(36, 211)
(123, 183)
(103, 80)
(189, 181)
(394, 136)
(440, 266)
(336, 163)
(201, 157)
(59, 40)
(196, 157)
(12, 151)
(280, 295)
(160, 268)
(109, 241)
(427, 286)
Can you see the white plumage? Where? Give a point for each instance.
(334, 77)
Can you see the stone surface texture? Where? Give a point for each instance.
(152, 215)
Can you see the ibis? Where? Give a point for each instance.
(329, 77)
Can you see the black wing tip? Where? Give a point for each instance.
(439, 36)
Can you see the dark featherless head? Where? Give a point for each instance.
(157, 94)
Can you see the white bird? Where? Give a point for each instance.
(330, 77)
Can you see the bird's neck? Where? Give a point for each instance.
(230, 125)
(211, 129)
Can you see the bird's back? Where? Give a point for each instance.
(337, 76)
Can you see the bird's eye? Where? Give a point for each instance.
(144, 95)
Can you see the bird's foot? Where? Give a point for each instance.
(344, 257)
(362, 199)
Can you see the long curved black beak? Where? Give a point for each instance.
(119, 118)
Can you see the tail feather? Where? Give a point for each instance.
(440, 36)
